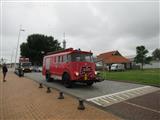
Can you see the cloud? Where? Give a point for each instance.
(99, 27)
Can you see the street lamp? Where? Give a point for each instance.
(12, 56)
(18, 42)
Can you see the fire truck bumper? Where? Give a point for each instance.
(97, 79)
(27, 70)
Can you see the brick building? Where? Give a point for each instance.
(113, 57)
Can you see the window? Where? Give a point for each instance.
(68, 57)
(59, 59)
(56, 59)
(65, 58)
(47, 63)
(81, 57)
(26, 64)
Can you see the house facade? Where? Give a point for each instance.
(113, 57)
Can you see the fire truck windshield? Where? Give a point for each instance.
(27, 64)
(81, 57)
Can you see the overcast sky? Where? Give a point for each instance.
(95, 26)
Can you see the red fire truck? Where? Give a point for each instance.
(70, 66)
(25, 64)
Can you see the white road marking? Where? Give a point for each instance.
(142, 107)
(120, 97)
(125, 95)
(96, 102)
(110, 99)
(105, 100)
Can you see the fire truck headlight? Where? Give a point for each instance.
(76, 73)
(95, 72)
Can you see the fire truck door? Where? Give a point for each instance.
(55, 70)
(59, 66)
(47, 63)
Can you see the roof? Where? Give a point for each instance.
(60, 51)
(113, 57)
(67, 51)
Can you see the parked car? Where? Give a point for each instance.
(100, 67)
(117, 67)
(36, 69)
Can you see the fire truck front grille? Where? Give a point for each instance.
(86, 70)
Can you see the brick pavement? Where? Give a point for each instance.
(21, 99)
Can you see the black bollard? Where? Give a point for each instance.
(81, 105)
(61, 95)
(40, 85)
(48, 90)
(4, 80)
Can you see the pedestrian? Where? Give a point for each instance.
(20, 71)
(4, 70)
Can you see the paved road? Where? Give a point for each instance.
(144, 107)
(85, 92)
(127, 100)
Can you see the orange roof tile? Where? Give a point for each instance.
(113, 57)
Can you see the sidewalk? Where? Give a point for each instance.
(21, 99)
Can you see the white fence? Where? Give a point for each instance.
(153, 64)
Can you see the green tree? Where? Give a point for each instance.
(156, 54)
(141, 56)
(37, 46)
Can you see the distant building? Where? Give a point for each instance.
(113, 57)
(134, 65)
(153, 64)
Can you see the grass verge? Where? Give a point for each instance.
(148, 76)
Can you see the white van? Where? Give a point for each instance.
(117, 67)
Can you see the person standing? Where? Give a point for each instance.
(4, 70)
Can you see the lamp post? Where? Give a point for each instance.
(18, 42)
(12, 56)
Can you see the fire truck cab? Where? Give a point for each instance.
(25, 64)
(70, 66)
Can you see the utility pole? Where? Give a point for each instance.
(12, 57)
(18, 43)
(64, 41)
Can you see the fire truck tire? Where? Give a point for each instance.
(48, 78)
(66, 81)
(89, 83)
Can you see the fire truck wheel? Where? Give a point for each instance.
(89, 83)
(66, 81)
(48, 78)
